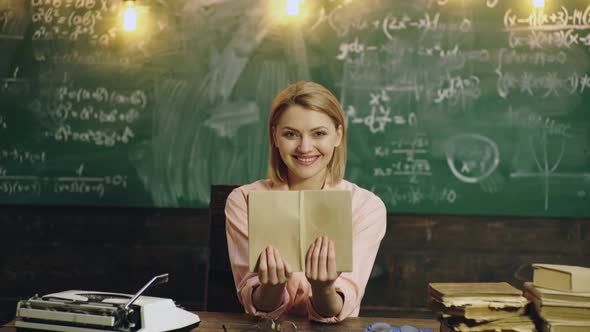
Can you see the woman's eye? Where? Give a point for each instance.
(320, 133)
(289, 134)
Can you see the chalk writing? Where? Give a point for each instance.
(66, 112)
(390, 23)
(408, 158)
(458, 88)
(549, 84)
(16, 185)
(537, 19)
(530, 120)
(544, 39)
(380, 114)
(513, 57)
(72, 20)
(416, 195)
(136, 98)
(98, 57)
(22, 157)
(107, 138)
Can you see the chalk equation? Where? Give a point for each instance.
(407, 157)
(22, 156)
(66, 111)
(135, 98)
(380, 114)
(539, 29)
(414, 195)
(98, 137)
(14, 185)
(563, 18)
(345, 21)
(543, 85)
(96, 57)
(72, 20)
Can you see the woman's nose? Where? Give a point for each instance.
(305, 145)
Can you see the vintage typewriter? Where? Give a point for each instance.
(86, 311)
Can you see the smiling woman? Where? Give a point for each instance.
(307, 140)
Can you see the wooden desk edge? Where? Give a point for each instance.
(213, 321)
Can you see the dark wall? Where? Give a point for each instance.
(50, 249)
(418, 249)
(114, 249)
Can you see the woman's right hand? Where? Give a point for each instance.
(273, 270)
(273, 273)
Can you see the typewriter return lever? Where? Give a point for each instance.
(161, 279)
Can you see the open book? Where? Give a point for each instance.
(291, 220)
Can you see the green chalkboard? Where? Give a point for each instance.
(456, 107)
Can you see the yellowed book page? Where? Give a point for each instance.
(328, 212)
(463, 289)
(553, 294)
(273, 219)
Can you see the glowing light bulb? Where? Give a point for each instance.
(539, 3)
(130, 16)
(293, 7)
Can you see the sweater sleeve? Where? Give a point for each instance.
(236, 227)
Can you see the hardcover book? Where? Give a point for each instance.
(547, 294)
(562, 277)
(555, 310)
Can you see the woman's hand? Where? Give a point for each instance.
(273, 273)
(273, 270)
(320, 263)
(320, 271)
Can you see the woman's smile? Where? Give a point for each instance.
(306, 160)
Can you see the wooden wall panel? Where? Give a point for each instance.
(421, 249)
(49, 249)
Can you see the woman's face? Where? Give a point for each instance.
(306, 140)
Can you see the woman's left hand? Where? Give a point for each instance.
(320, 263)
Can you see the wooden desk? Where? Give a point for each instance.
(214, 321)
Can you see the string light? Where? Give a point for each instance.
(130, 16)
(293, 7)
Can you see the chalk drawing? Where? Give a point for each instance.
(547, 171)
(478, 155)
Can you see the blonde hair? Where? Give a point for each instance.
(310, 96)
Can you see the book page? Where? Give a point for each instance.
(328, 212)
(273, 218)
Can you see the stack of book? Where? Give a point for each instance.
(560, 297)
(480, 306)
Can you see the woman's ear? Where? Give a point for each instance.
(338, 135)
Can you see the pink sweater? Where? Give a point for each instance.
(369, 221)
